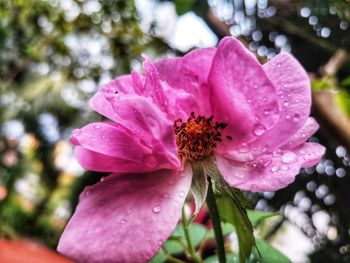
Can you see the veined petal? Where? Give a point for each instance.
(99, 162)
(269, 172)
(241, 93)
(189, 75)
(125, 218)
(100, 104)
(303, 134)
(111, 139)
(147, 121)
(294, 101)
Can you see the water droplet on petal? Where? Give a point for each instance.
(103, 136)
(287, 117)
(266, 112)
(267, 162)
(289, 157)
(296, 117)
(258, 130)
(285, 167)
(244, 148)
(156, 209)
(277, 153)
(97, 126)
(182, 194)
(102, 179)
(274, 169)
(250, 156)
(123, 221)
(285, 104)
(255, 86)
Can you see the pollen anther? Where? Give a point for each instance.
(196, 139)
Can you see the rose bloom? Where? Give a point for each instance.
(220, 104)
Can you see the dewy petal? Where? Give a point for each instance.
(100, 104)
(147, 121)
(294, 99)
(270, 172)
(189, 74)
(111, 139)
(241, 94)
(98, 162)
(303, 134)
(125, 218)
(310, 153)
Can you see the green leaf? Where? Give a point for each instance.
(346, 82)
(256, 217)
(342, 99)
(176, 242)
(183, 6)
(321, 84)
(232, 209)
(199, 187)
(230, 258)
(160, 257)
(268, 253)
(226, 229)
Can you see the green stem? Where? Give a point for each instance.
(191, 249)
(215, 218)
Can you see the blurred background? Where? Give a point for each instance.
(54, 54)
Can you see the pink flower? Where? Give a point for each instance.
(221, 103)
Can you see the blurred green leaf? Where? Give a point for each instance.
(230, 258)
(176, 242)
(342, 99)
(346, 82)
(321, 84)
(160, 257)
(268, 253)
(183, 6)
(256, 217)
(232, 209)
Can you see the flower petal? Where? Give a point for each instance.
(294, 99)
(98, 162)
(99, 103)
(188, 72)
(189, 75)
(241, 93)
(303, 134)
(111, 139)
(270, 172)
(147, 121)
(311, 153)
(125, 218)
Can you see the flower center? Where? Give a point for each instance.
(196, 139)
